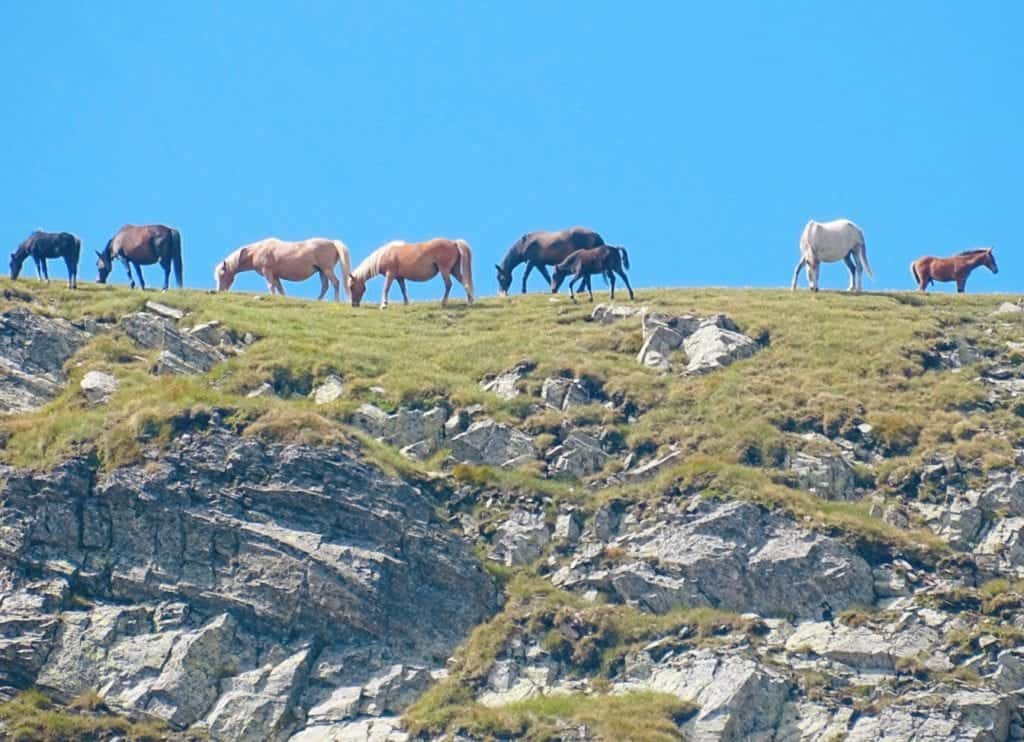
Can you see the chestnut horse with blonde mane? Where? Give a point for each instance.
(929, 269)
(415, 261)
(276, 259)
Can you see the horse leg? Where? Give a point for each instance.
(543, 270)
(142, 281)
(622, 275)
(278, 285)
(812, 274)
(447, 287)
(796, 273)
(388, 278)
(961, 284)
(852, 266)
(323, 284)
(572, 294)
(590, 292)
(334, 282)
(165, 263)
(405, 294)
(46, 272)
(72, 272)
(611, 284)
(529, 267)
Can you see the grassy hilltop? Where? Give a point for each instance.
(832, 361)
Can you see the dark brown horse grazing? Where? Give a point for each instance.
(928, 269)
(541, 249)
(582, 264)
(43, 246)
(139, 246)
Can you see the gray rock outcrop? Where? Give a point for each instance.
(33, 350)
(214, 584)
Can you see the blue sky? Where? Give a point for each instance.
(701, 136)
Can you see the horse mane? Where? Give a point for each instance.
(973, 251)
(370, 266)
(231, 261)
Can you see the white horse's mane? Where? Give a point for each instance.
(370, 267)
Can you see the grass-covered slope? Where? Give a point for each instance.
(832, 360)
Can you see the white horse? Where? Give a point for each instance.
(828, 242)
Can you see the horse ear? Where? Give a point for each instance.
(498, 267)
(98, 253)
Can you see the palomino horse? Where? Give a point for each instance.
(541, 249)
(275, 259)
(139, 246)
(828, 242)
(928, 269)
(582, 264)
(43, 246)
(415, 261)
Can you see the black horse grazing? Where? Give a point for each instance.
(43, 246)
(541, 249)
(141, 246)
(582, 264)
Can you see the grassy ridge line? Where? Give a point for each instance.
(833, 359)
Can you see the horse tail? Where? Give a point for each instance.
(176, 256)
(625, 257)
(346, 264)
(913, 272)
(466, 266)
(864, 257)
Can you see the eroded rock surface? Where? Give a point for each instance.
(33, 350)
(232, 584)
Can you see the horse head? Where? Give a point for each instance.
(222, 276)
(356, 289)
(557, 276)
(990, 261)
(17, 260)
(103, 266)
(504, 280)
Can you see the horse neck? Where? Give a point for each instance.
(370, 267)
(513, 257)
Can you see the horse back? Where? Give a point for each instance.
(146, 244)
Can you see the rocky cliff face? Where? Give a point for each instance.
(827, 579)
(254, 589)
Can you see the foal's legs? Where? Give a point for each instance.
(590, 293)
(796, 273)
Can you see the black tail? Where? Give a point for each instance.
(176, 255)
(913, 270)
(625, 257)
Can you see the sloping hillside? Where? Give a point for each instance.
(720, 514)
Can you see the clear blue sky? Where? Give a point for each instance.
(701, 136)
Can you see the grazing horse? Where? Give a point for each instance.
(828, 242)
(275, 259)
(139, 246)
(43, 246)
(415, 261)
(541, 249)
(929, 269)
(582, 264)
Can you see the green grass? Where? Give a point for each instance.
(32, 717)
(833, 360)
(638, 716)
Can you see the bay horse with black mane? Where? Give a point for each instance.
(139, 246)
(541, 249)
(43, 246)
(929, 269)
(582, 264)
